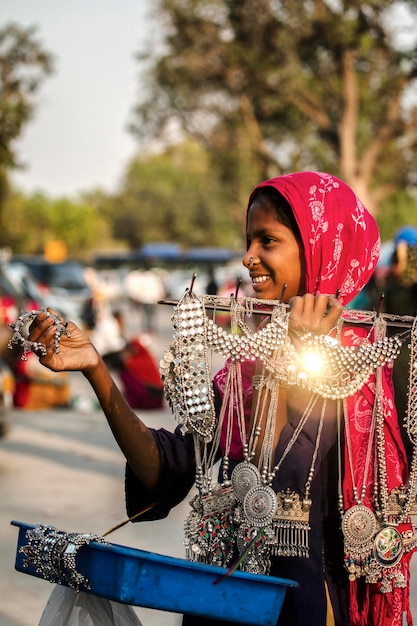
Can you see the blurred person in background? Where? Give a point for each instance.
(36, 389)
(212, 286)
(400, 298)
(145, 288)
(136, 367)
(401, 281)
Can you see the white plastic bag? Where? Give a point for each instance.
(66, 607)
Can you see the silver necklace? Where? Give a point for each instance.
(359, 523)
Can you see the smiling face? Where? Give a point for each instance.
(277, 254)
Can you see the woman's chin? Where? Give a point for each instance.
(263, 291)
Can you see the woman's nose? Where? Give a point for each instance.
(248, 260)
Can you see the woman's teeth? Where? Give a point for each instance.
(260, 279)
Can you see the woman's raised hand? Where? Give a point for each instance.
(76, 352)
(315, 314)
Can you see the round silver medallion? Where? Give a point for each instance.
(359, 525)
(260, 504)
(388, 546)
(244, 477)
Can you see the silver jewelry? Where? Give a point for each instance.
(185, 369)
(259, 505)
(254, 544)
(333, 371)
(250, 264)
(291, 525)
(411, 415)
(291, 521)
(232, 513)
(244, 477)
(34, 346)
(359, 523)
(398, 506)
(388, 546)
(359, 526)
(53, 553)
(209, 528)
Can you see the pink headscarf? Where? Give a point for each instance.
(340, 238)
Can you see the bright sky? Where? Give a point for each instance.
(78, 140)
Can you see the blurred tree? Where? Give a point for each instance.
(172, 196)
(273, 86)
(79, 224)
(32, 221)
(23, 66)
(396, 211)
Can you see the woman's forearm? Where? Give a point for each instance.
(76, 353)
(132, 435)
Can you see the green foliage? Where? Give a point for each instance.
(398, 210)
(301, 85)
(256, 88)
(174, 196)
(23, 66)
(166, 196)
(33, 221)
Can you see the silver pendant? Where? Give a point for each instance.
(244, 477)
(259, 505)
(209, 528)
(291, 525)
(359, 526)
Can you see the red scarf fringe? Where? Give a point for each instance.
(381, 609)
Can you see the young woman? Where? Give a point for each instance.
(312, 244)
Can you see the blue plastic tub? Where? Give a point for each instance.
(141, 578)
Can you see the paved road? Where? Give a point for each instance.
(63, 467)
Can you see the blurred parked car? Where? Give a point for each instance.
(26, 292)
(13, 299)
(178, 281)
(62, 286)
(6, 396)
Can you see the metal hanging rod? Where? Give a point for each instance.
(256, 307)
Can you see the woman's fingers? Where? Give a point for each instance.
(316, 314)
(333, 311)
(42, 323)
(48, 326)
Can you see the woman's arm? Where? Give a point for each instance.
(132, 435)
(77, 353)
